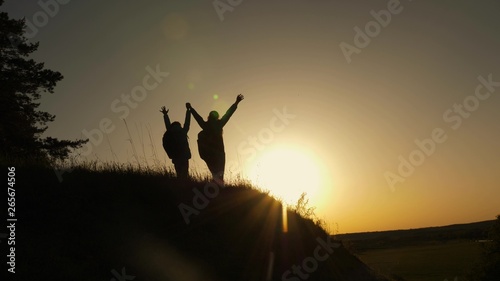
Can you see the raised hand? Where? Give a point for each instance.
(239, 98)
(164, 110)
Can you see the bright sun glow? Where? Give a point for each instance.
(286, 173)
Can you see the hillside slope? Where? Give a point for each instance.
(123, 225)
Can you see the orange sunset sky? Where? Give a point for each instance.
(385, 112)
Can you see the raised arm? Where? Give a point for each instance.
(196, 116)
(187, 121)
(165, 117)
(231, 110)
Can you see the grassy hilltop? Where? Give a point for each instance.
(124, 224)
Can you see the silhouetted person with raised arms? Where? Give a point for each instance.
(210, 142)
(175, 142)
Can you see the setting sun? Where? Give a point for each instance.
(286, 173)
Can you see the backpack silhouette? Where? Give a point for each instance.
(175, 143)
(206, 143)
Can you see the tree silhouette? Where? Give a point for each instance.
(22, 81)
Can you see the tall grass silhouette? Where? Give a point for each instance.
(107, 216)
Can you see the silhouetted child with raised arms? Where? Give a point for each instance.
(210, 142)
(175, 142)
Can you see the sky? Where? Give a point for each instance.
(384, 112)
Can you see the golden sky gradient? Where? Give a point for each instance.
(385, 112)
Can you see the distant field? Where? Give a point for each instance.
(433, 262)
